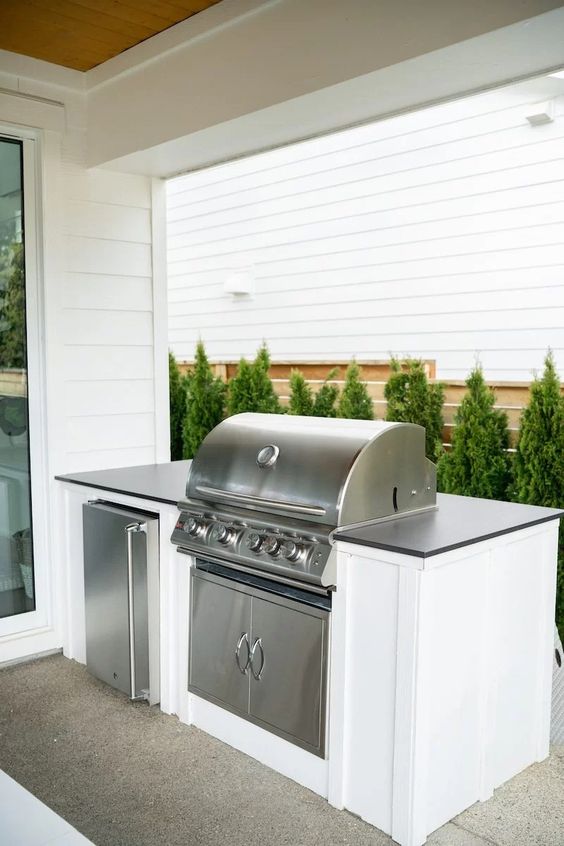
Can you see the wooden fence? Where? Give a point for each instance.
(13, 383)
(512, 397)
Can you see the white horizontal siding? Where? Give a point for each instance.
(438, 234)
(105, 397)
(106, 321)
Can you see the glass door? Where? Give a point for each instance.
(17, 590)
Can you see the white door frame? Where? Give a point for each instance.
(41, 618)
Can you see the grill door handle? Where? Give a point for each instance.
(243, 639)
(257, 644)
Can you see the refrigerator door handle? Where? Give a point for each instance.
(129, 530)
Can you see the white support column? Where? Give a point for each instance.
(411, 734)
(338, 686)
(487, 691)
(546, 637)
(160, 320)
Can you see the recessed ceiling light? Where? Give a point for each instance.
(558, 74)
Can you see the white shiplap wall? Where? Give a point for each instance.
(107, 320)
(437, 234)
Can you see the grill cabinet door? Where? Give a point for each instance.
(220, 617)
(289, 695)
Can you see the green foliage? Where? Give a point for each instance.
(477, 464)
(12, 311)
(177, 385)
(251, 389)
(264, 396)
(205, 402)
(560, 584)
(301, 395)
(539, 460)
(325, 402)
(304, 401)
(240, 390)
(355, 402)
(411, 399)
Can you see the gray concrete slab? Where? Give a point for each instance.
(454, 835)
(527, 810)
(125, 774)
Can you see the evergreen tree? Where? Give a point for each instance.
(240, 390)
(205, 403)
(539, 460)
(301, 395)
(177, 402)
(478, 462)
(411, 399)
(251, 389)
(325, 402)
(355, 402)
(264, 396)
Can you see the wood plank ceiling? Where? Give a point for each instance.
(81, 34)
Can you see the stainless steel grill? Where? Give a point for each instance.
(266, 492)
(264, 496)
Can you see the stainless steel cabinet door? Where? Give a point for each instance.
(219, 638)
(287, 690)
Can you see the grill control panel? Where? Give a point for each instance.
(294, 554)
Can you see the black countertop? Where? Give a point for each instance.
(458, 521)
(158, 482)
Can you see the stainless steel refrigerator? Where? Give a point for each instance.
(121, 586)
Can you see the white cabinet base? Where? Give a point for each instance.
(287, 759)
(440, 671)
(445, 664)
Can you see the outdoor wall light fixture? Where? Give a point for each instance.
(540, 113)
(240, 284)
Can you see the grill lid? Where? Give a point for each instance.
(329, 471)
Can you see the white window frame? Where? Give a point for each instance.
(41, 619)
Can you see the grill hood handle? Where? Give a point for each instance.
(246, 499)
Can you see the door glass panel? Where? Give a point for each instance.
(16, 556)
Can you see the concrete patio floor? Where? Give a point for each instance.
(127, 775)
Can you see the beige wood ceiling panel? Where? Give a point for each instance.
(81, 34)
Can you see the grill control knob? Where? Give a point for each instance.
(271, 544)
(291, 550)
(193, 526)
(221, 533)
(253, 541)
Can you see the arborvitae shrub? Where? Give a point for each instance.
(205, 403)
(177, 401)
(325, 402)
(240, 390)
(411, 399)
(304, 401)
(265, 398)
(355, 402)
(539, 460)
(301, 395)
(251, 389)
(478, 463)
